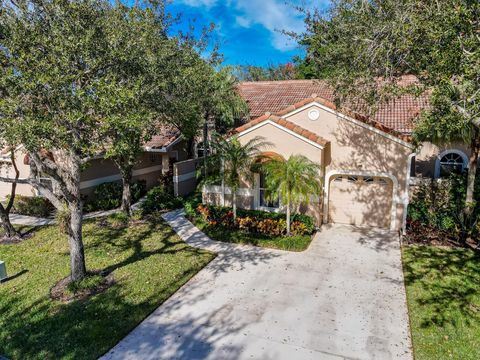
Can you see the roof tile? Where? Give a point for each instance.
(277, 97)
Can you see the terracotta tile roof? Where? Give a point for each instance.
(166, 135)
(274, 96)
(286, 124)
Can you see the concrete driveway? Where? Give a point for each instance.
(343, 298)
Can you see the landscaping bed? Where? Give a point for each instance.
(259, 228)
(443, 293)
(146, 263)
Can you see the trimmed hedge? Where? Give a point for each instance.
(158, 199)
(253, 221)
(32, 206)
(108, 196)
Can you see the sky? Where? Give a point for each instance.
(248, 30)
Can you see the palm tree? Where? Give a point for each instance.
(294, 181)
(237, 160)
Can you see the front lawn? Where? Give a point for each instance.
(282, 242)
(443, 293)
(147, 260)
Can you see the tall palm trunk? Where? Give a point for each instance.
(288, 218)
(234, 204)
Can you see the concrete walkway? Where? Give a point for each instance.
(18, 219)
(343, 298)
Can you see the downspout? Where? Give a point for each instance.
(406, 199)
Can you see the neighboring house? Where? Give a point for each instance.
(366, 162)
(163, 149)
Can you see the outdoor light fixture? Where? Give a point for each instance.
(3, 271)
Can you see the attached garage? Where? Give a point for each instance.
(360, 200)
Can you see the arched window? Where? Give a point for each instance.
(451, 161)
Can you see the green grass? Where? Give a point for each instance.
(149, 263)
(290, 243)
(443, 293)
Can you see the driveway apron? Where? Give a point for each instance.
(343, 298)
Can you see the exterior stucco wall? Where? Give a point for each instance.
(7, 171)
(353, 148)
(284, 144)
(427, 155)
(149, 168)
(358, 150)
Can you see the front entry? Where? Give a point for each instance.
(360, 200)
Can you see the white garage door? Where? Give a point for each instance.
(360, 201)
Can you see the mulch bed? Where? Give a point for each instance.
(418, 233)
(59, 290)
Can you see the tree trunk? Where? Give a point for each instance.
(77, 256)
(234, 204)
(10, 231)
(472, 172)
(127, 192)
(205, 146)
(469, 198)
(288, 218)
(6, 224)
(75, 240)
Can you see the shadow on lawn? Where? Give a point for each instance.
(43, 334)
(449, 284)
(85, 329)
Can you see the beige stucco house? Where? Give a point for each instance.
(159, 153)
(367, 163)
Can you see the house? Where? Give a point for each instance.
(163, 149)
(367, 162)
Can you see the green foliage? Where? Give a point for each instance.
(107, 196)
(270, 72)
(439, 204)
(294, 181)
(88, 283)
(237, 158)
(32, 206)
(254, 221)
(443, 297)
(364, 48)
(191, 203)
(148, 263)
(158, 199)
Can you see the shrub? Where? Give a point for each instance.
(107, 196)
(158, 199)
(253, 221)
(32, 206)
(438, 204)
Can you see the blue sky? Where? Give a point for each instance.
(247, 29)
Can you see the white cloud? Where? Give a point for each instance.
(273, 15)
(200, 3)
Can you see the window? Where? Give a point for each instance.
(352, 179)
(368, 179)
(265, 200)
(338, 179)
(451, 162)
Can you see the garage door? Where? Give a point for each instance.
(360, 201)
